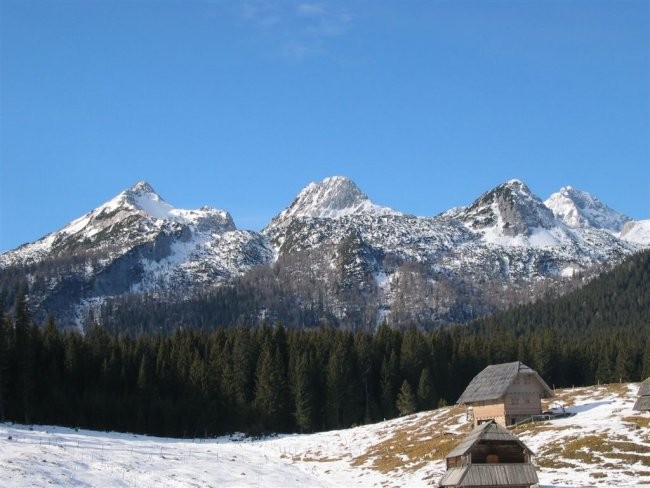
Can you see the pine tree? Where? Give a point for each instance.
(414, 354)
(342, 382)
(271, 395)
(4, 360)
(646, 362)
(388, 380)
(406, 403)
(303, 392)
(24, 356)
(363, 351)
(426, 391)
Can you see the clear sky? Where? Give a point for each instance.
(239, 105)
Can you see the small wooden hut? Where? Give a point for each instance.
(507, 393)
(643, 401)
(490, 456)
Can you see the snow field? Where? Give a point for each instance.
(605, 443)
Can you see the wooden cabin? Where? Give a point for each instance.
(643, 401)
(490, 456)
(506, 393)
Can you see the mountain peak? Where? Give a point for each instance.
(143, 197)
(141, 187)
(508, 210)
(579, 209)
(143, 202)
(334, 197)
(516, 183)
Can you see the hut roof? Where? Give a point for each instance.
(642, 403)
(644, 389)
(493, 382)
(491, 475)
(489, 431)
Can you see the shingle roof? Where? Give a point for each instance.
(643, 402)
(493, 382)
(491, 475)
(644, 389)
(489, 431)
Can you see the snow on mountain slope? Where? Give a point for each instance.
(133, 243)
(511, 215)
(334, 197)
(579, 209)
(605, 443)
(637, 232)
(139, 211)
(505, 239)
(358, 257)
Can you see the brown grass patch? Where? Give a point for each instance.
(414, 445)
(567, 396)
(593, 449)
(638, 421)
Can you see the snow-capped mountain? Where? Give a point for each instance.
(578, 209)
(506, 246)
(333, 198)
(508, 210)
(510, 215)
(136, 215)
(637, 232)
(332, 251)
(135, 242)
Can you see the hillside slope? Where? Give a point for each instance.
(606, 443)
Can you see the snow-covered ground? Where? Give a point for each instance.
(605, 444)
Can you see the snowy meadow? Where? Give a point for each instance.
(605, 443)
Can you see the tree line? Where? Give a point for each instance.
(273, 379)
(200, 382)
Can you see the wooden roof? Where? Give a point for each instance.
(644, 389)
(642, 403)
(491, 475)
(493, 382)
(489, 431)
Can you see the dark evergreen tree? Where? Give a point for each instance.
(406, 402)
(342, 383)
(5, 332)
(24, 359)
(414, 355)
(426, 393)
(271, 394)
(303, 392)
(388, 381)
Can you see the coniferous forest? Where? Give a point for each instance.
(192, 382)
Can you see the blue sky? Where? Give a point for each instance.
(238, 105)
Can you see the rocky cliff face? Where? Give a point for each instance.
(332, 250)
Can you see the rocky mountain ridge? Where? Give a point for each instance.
(332, 249)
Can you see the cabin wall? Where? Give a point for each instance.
(487, 410)
(523, 397)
